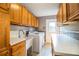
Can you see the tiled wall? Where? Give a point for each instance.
(14, 30)
(15, 27)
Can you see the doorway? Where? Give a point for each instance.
(50, 29)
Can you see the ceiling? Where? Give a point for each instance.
(42, 9)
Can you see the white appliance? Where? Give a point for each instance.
(38, 42)
(29, 42)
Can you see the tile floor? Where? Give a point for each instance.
(46, 51)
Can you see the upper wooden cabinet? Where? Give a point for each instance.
(62, 13)
(25, 17)
(29, 19)
(73, 11)
(15, 13)
(21, 16)
(68, 12)
(4, 32)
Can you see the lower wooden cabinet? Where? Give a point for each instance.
(19, 52)
(19, 49)
(4, 52)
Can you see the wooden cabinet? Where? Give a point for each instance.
(15, 13)
(4, 30)
(21, 16)
(73, 11)
(64, 12)
(29, 19)
(4, 52)
(62, 16)
(19, 49)
(25, 17)
(33, 21)
(68, 12)
(4, 6)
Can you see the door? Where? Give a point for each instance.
(50, 29)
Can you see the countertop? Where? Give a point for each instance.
(16, 40)
(64, 44)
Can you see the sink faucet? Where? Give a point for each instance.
(19, 33)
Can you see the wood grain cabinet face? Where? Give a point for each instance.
(64, 12)
(30, 19)
(19, 49)
(4, 6)
(25, 17)
(4, 53)
(62, 15)
(4, 31)
(15, 13)
(73, 9)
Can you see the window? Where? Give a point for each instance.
(52, 26)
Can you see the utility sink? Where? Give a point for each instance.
(29, 42)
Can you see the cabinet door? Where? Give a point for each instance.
(4, 30)
(61, 14)
(30, 19)
(4, 6)
(73, 9)
(64, 12)
(22, 51)
(25, 17)
(19, 49)
(15, 13)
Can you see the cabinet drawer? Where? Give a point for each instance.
(18, 46)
